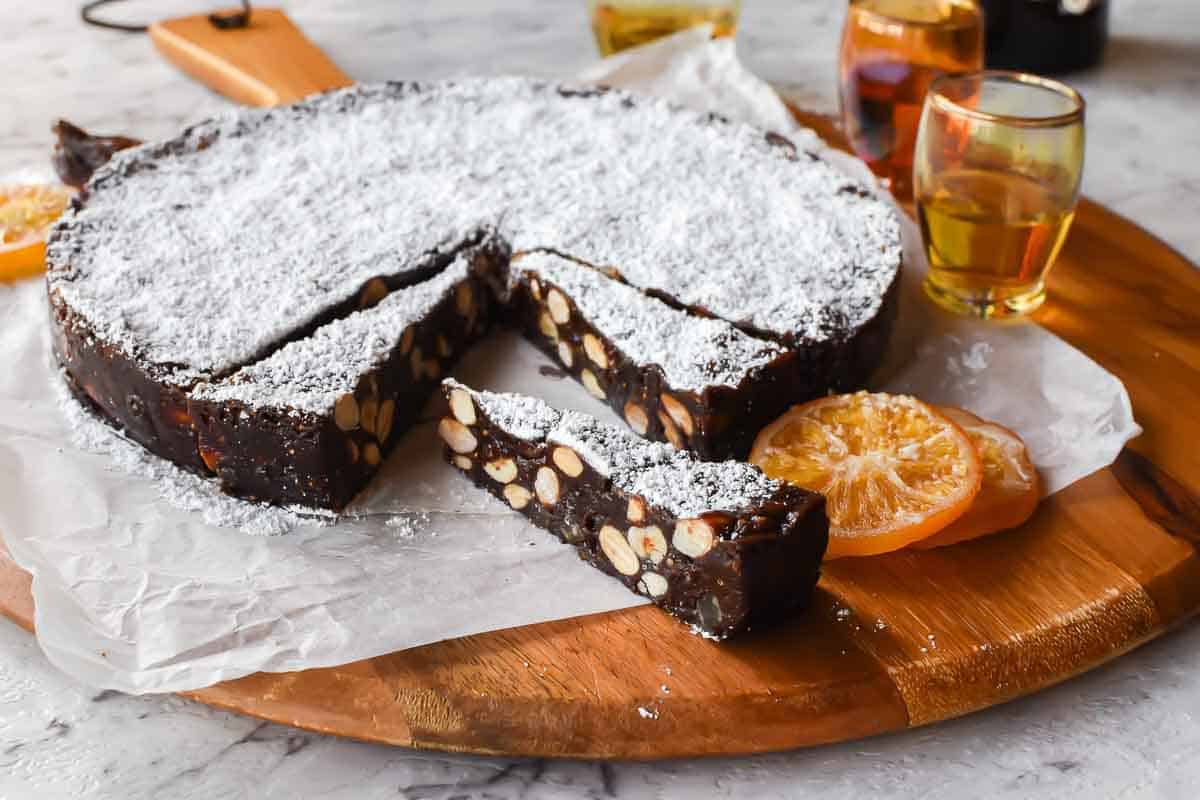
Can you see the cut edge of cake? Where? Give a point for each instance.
(148, 401)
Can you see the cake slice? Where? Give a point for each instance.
(146, 395)
(717, 544)
(310, 424)
(698, 382)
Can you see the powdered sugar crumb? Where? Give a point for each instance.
(406, 526)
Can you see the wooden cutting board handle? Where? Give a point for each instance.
(266, 63)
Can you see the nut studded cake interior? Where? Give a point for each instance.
(271, 297)
(719, 545)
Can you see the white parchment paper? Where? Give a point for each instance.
(146, 579)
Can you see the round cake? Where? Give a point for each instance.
(188, 262)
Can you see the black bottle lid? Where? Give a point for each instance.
(1045, 36)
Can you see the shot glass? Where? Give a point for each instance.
(999, 157)
(891, 52)
(621, 24)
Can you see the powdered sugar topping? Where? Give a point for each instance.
(202, 252)
(311, 374)
(673, 480)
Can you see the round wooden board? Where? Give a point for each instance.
(1102, 567)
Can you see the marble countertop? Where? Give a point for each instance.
(1127, 730)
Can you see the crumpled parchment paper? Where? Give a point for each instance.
(146, 581)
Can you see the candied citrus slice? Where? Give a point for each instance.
(25, 214)
(893, 469)
(1011, 488)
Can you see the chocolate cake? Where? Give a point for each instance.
(188, 263)
(717, 544)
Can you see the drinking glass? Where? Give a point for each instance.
(891, 51)
(621, 24)
(998, 161)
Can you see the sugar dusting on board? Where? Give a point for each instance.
(406, 526)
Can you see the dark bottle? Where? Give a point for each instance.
(1046, 36)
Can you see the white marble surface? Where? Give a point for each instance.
(1129, 730)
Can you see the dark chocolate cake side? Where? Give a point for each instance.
(143, 401)
(716, 544)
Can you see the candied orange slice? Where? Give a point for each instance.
(1011, 488)
(893, 469)
(25, 214)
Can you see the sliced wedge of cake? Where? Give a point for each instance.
(717, 544)
(700, 383)
(310, 424)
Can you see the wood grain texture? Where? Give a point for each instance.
(16, 597)
(889, 642)
(267, 63)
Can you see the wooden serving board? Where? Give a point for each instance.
(890, 642)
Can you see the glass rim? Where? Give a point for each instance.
(871, 12)
(1027, 78)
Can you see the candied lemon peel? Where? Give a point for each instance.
(1011, 487)
(26, 212)
(894, 470)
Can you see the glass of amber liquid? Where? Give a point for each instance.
(998, 161)
(621, 24)
(891, 51)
